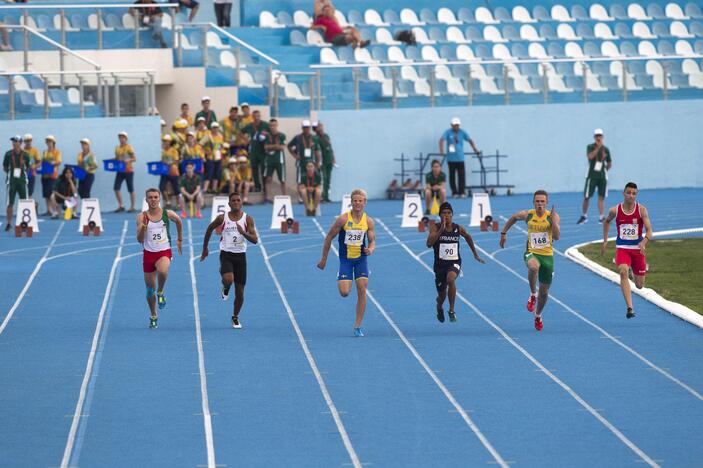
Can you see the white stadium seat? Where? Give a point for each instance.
(491, 33)
(302, 19)
(599, 13)
(395, 54)
(560, 13)
(329, 57)
(684, 48)
(430, 54)
(536, 50)
(674, 11)
(602, 31)
(446, 16)
(464, 52)
(409, 17)
(678, 29)
(455, 35)
(565, 31)
(529, 33)
(363, 56)
(484, 15)
(373, 18)
(383, 36)
(647, 49)
(522, 15)
(421, 36)
(636, 11)
(268, 20)
(642, 31)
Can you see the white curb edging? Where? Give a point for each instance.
(674, 308)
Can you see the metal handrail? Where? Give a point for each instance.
(53, 43)
(82, 72)
(231, 36)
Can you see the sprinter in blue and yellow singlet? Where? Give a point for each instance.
(357, 240)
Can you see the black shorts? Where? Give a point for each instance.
(235, 263)
(440, 273)
(47, 186)
(340, 40)
(124, 177)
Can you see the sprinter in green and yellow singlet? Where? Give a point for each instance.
(542, 230)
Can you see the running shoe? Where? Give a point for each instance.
(235, 322)
(452, 316)
(601, 219)
(358, 333)
(630, 313)
(152, 322)
(538, 323)
(440, 313)
(582, 220)
(531, 303)
(224, 293)
(132, 210)
(161, 300)
(198, 214)
(120, 209)
(7, 227)
(184, 214)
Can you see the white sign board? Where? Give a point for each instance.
(282, 210)
(480, 208)
(412, 210)
(220, 205)
(346, 204)
(27, 213)
(90, 211)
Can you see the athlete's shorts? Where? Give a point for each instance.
(16, 187)
(440, 273)
(353, 269)
(278, 168)
(632, 258)
(150, 258)
(595, 182)
(546, 266)
(235, 263)
(124, 177)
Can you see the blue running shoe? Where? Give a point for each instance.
(161, 300)
(358, 333)
(153, 322)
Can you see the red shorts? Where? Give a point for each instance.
(633, 258)
(150, 259)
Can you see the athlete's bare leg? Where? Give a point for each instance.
(624, 270)
(118, 195)
(532, 271)
(542, 298)
(150, 281)
(451, 287)
(345, 287)
(601, 206)
(361, 284)
(162, 266)
(585, 206)
(238, 298)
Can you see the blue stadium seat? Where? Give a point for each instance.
(379, 53)
(35, 82)
(413, 53)
(665, 48)
(656, 11)
(346, 54)
(698, 47)
(297, 38)
(79, 21)
(436, 34)
(510, 33)
(466, 15)
(565, 68)
(578, 12)
(660, 29)
(694, 11)
(546, 31)
(591, 49)
(354, 17)
(366, 34)
(428, 16)
(600, 68)
(519, 50)
(390, 16)
(574, 82)
(284, 18)
(59, 96)
(555, 49)
(482, 52)
(502, 15)
(113, 21)
(540, 13)
(44, 22)
(623, 31)
(472, 33)
(447, 52)
(628, 48)
(494, 69)
(609, 82)
(618, 12)
(585, 31)
(696, 28)
(529, 69)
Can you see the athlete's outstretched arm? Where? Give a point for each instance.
(334, 230)
(371, 233)
(519, 216)
(179, 228)
(612, 213)
(648, 227)
(469, 240)
(556, 221)
(250, 233)
(141, 228)
(208, 232)
(433, 234)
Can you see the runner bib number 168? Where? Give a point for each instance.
(539, 240)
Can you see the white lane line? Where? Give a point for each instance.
(646, 458)
(76, 252)
(464, 415)
(26, 249)
(91, 357)
(41, 262)
(313, 365)
(601, 330)
(207, 418)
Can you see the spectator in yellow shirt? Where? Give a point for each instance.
(192, 150)
(35, 158)
(230, 125)
(86, 161)
(124, 152)
(213, 157)
(52, 156)
(169, 156)
(243, 180)
(185, 115)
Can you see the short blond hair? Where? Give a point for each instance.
(358, 192)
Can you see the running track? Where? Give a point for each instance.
(86, 383)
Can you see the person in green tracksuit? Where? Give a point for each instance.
(599, 163)
(15, 164)
(305, 149)
(328, 159)
(275, 146)
(257, 131)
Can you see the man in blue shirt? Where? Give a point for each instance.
(454, 139)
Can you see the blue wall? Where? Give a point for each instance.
(143, 136)
(656, 144)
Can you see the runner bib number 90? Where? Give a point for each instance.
(539, 240)
(449, 251)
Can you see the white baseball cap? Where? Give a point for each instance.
(244, 104)
(86, 141)
(215, 124)
(204, 98)
(456, 121)
(123, 133)
(598, 131)
(306, 123)
(315, 123)
(27, 136)
(50, 137)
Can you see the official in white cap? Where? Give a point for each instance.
(304, 148)
(206, 112)
(125, 153)
(599, 163)
(50, 156)
(454, 138)
(86, 161)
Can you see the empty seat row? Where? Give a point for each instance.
(83, 22)
(484, 15)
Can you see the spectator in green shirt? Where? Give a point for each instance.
(257, 131)
(599, 163)
(190, 191)
(435, 182)
(208, 114)
(275, 147)
(15, 164)
(328, 159)
(305, 149)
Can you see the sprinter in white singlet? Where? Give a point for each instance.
(235, 228)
